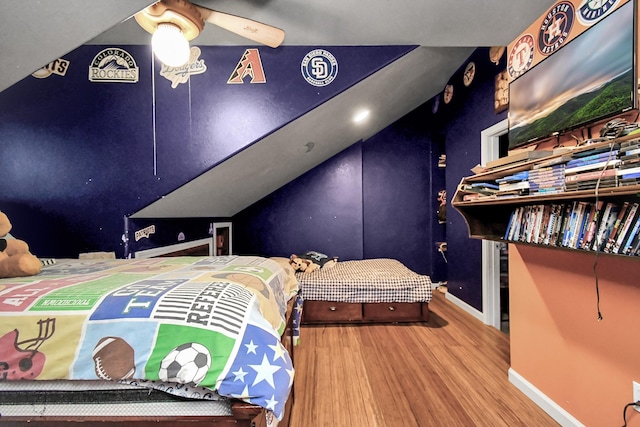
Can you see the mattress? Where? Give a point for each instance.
(366, 281)
(64, 398)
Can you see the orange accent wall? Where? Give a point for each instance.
(583, 364)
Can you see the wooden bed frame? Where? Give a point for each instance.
(322, 312)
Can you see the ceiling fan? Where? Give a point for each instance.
(173, 23)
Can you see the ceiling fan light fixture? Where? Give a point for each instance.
(170, 45)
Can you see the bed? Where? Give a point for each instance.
(150, 341)
(362, 291)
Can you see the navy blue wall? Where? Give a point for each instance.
(77, 157)
(321, 211)
(470, 112)
(379, 197)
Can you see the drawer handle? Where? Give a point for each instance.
(333, 308)
(391, 308)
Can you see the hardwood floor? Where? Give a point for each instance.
(451, 371)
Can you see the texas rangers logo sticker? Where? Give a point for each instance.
(113, 65)
(555, 28)
(319, 67)
(591, 11)
(521, 56)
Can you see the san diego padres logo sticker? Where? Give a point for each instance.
(319, 67)
(555, 28)
(521, 56)
(591, 11)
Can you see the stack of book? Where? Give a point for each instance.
(547, 180)
(592, 168)
(607, 227)
(513, 185)
(478, 190)
(629, 168)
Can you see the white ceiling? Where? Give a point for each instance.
(35, 32)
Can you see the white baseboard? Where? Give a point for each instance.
(466, 307)
(556, 412)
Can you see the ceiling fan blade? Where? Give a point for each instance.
(248, 28)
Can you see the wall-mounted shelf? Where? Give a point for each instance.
(489, 215)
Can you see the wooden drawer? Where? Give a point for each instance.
(391, 311)
(328, 311)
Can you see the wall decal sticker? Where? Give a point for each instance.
(591, 11)
(319, 67)
(521, 56)
(144, 233)
(177, 75)
(555, 27)
(113, 65)
(58, 66)
(249, 65)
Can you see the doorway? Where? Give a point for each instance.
(495, 255)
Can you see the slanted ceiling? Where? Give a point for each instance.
(34, 32)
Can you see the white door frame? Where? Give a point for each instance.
(490, 150)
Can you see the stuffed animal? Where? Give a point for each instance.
(302, 265)
(312, 261)
(15, 258)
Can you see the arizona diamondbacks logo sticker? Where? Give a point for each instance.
(113, 65)
(521, 56)
(555, 27)
(591, 11)
(319, 67)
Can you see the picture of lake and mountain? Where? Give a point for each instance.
(590, 78)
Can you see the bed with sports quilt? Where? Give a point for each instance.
(158, 341)
(365, 291)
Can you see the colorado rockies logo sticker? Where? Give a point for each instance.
(113, 65)
(521, 56)
(591, 11)
(319, 67)
(555, 27)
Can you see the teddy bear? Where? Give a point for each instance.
(303, 265)
(312, 261)
(15, 258)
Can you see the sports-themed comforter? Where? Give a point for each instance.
(212, 322)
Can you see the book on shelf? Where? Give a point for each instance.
(592, 184)
(635, 244)
(581, 224)
(591, 166)
(569, 229)
(591, 159)
(616, 227)
(593, 223)
(625, 228)
(629, 163)
(522, 156)
(630, 152)
(593, 175)
(510, 186)
(626, 173)
(630, 143)
(626, 248)
(606, 225)
(520, 176)
(485, 188)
